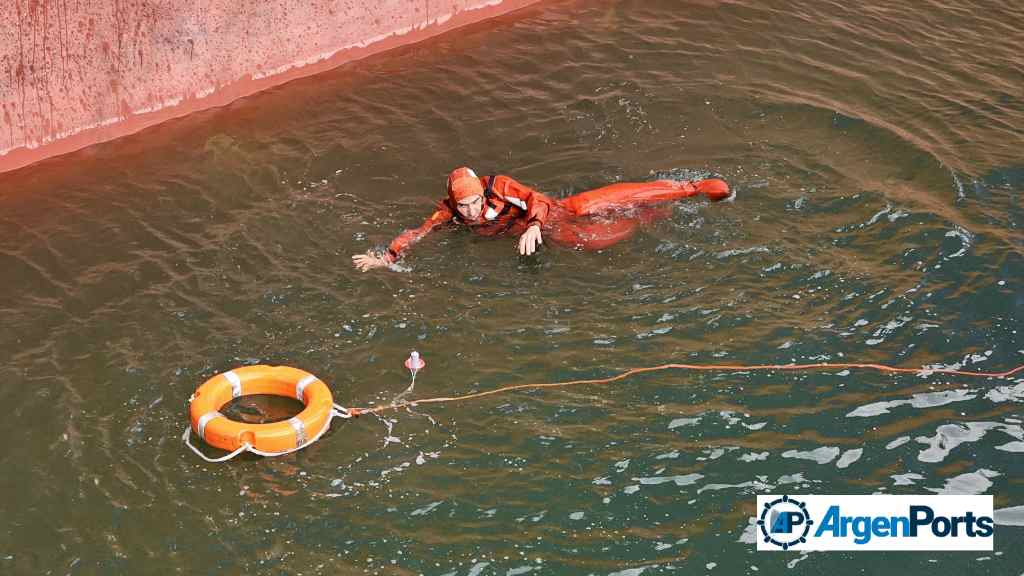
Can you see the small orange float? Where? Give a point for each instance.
(272, 439)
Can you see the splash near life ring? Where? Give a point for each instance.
(272, 439)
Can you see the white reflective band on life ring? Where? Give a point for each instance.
(300, 432)
(236, 383)
(300, 388)
(204, 420)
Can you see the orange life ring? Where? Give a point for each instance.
(278, 437)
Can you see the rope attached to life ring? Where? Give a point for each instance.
(700, 367)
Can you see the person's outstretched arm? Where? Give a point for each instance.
(373, 259)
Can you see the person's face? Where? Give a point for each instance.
(471, 207)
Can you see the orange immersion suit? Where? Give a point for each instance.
(589, 220)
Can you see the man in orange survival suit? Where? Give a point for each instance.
(492, 205)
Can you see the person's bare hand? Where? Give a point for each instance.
(530, 240)
(369, 261)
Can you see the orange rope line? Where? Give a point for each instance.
(704, 367)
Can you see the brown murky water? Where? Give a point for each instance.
(876, 153)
